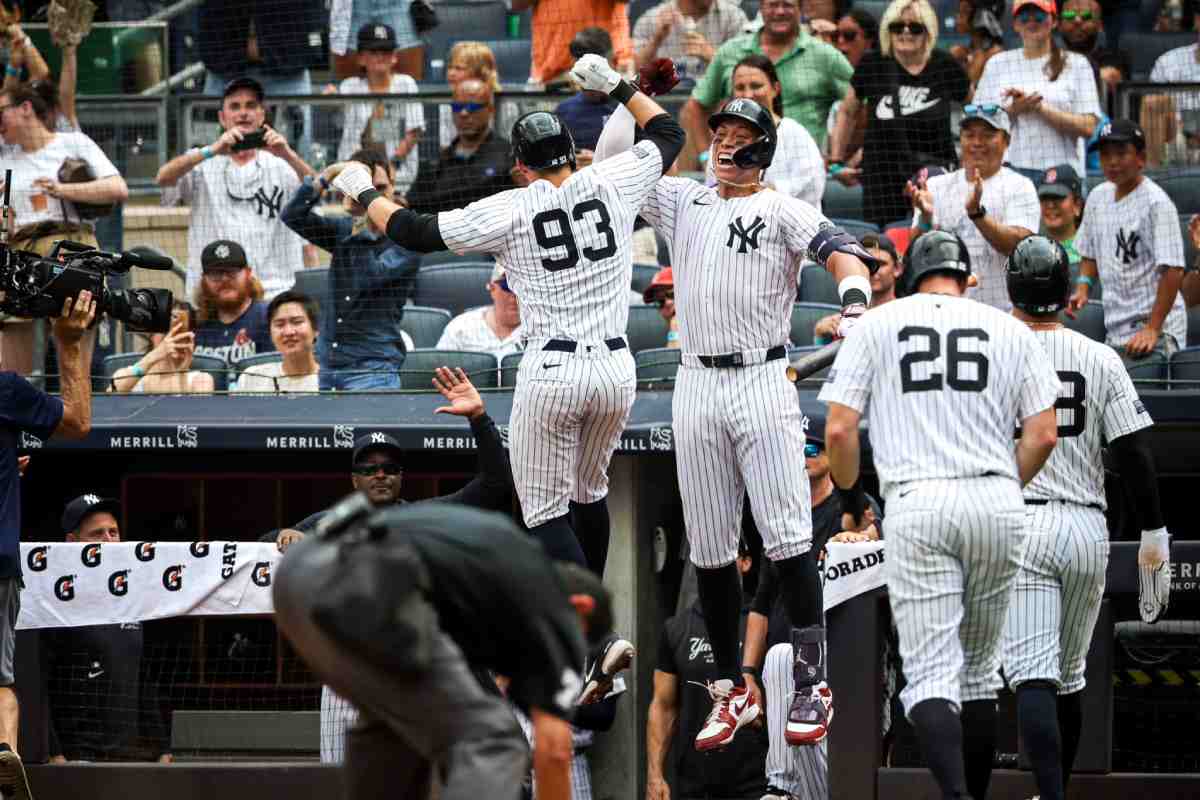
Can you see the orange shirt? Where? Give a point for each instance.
(555, 23)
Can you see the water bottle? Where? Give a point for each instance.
(689, 66)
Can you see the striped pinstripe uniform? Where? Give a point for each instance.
(941, 380)
(338, 715)
(1056, 597)
(802, 772)
(568, 257)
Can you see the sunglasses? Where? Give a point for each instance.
(367, 470)
(845, 36)
(663, 298)
(911, 28)
(467, 108)
(1031, 15)
(986, 109)
(812, 450)
(1085, 16)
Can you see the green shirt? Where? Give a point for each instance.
(1072, 254)
(814, 76)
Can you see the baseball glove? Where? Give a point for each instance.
(70, 21)
(657, 77)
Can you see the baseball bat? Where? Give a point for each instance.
(809, 363)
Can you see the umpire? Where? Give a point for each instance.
(397, 610)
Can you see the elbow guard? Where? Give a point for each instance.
(831, 239)
(667, 136)
(417, 232)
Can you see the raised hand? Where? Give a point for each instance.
(458, 390)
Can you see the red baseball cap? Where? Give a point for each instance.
(1049, 6)
(662, 279)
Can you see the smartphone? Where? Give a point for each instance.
(251, 140)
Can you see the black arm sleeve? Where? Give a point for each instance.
(416, 232)
(597, 716)
(768, 589)
(1136, 465)
(491, 489)
(667, 136)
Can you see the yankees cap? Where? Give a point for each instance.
(376, 441)
(376, 36)
(244, 82)
(82, 506)
(1060, 181)
(1120, 131)
(222, 254)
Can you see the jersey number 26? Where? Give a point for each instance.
(564, 237)
(956, 378)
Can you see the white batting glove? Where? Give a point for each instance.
(850, 315)
(354, 180)
(1154, 575)
(592, 72)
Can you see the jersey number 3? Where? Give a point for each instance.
(564, 237)
(956, 377)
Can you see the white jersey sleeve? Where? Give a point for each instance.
(662, 204)
(1023, 208)
(1039, 380)
(617, 135)
(1168, 238)
(481, 227)
(849, 380)
(1085, 234)
(1124, 412)
(634, 172)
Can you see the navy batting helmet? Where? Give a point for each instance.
(540, 140)
(936, 252)
(1039, 275)
(759, 153)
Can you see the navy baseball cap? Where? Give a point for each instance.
(1120, 131)
(1060, 181)
(244, 82)
(222, 254)
(82, 506)
(371, 442)
(814, 430)
(376, 36)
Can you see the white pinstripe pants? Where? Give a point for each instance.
(569, 410)
(338, 715)
(1057, 594)
(953, 552)
(739, 430)
(800, 771)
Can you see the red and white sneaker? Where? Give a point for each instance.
(810, 715)
(614, 655)
(734, 707)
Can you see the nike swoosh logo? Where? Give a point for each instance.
(697, 202)
(550, 366)
(95, 674)
(906, 494)
(737, 706)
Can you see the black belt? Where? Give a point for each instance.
(737, 359)
(1096, 506)
(568, 346)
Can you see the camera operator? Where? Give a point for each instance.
(45, 208)
(24, 409)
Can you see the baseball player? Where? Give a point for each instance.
(941, 379)
(564, 242)
(736, 254)
(1056, 597)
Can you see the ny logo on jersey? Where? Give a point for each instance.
(747, 236)
(271, 204)
(1127, 246)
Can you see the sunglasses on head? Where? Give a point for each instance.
(367, 470)
(987, 109)
(812, 449)
(1028, 14)
(1085, 16)
(467, 108)
(912, 28)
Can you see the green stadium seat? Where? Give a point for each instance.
(213, 366)
(454, 287)
(843, 202)
(646, 329)
(272, 357)
(424, 325)
(1089, 321)
(1185, 366)
(817, 286)
(312, 282)
(508, 369)
(417, 372)
(1149, 372)
(804, 317)
(657, 364)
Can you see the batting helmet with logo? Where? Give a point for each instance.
(540, 140)
(759, 153)
(1039, 275)
(936, 252)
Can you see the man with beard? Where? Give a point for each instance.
(232, 315)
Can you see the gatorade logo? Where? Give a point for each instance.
(64, 588)
(90, 555)
(144, 551)
(37, 559)
(262, 574)
(118, 583)
(172, 579)
(199, 549)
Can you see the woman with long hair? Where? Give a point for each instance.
(907, 88)
(166, 367)
(476, 60)
(1049, 93)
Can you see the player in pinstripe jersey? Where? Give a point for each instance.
(736, 255)
(941, 379)
(1056, 597)
(564, 242)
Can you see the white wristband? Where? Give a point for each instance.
(855, 282)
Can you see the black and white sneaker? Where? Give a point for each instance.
(14, 785)
(614, 655)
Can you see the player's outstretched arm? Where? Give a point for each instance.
(841, 439)
(850, 265)
(412, 231)
(1039, 434)
(660, 730)
(1135, 462)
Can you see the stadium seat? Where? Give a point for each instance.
(1185, 366)
(642, 275)
(817, 286)
(1149, 372)
(1089, 321)
(646, 329)
(312, 282)
(513, 56)
(804, 317)
(486, 20)
(857, 227)
(796, 352)
(843, 202)
(1193, 323)
(256, 359)
(417, 372)
(873, 7)
(508, 369)
(1183, 187)
(450, 257)
(1145, 48)
(657, 364)
(454, 287)
(424, 325)
(213, 366)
